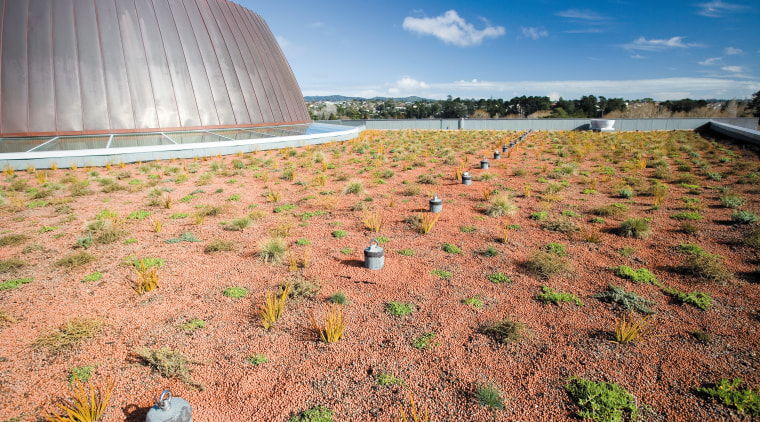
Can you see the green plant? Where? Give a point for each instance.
(303, 242)
(729, 393)
(315, 414)
(219, 245)
(139, 215)
(76, 259)
(257, 359)
(549, 295)
(490, 396)
(384, 379)
(271, 310)
(539, 216)
(235, 292)
(732, 201)
(339, 234)
(81, 373)
(499, 278)
(399, 309)
(629, 300)
(425, 341)
(338, 297)
(474, 301)
(282, 208)
(626, 193)
(334, 324)
(630, 328)
(85, 407)
(635, 227)
(490, 251)
(744, 217)
(505, 331)
(610, 210)
(602, 401)
(570, 214)
(168, 363)
(273, 250)
(686, 215)
(15, 283)
(405, 252)
(193, 324)
(702, 336)
(452, 249)
(467, 229)
(700, 300)
(642, 275)
(346, 251)
(185, 237)
(555, 248)
(442, 273)
(69, 335)
(96, 276)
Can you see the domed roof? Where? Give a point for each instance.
(72, 67)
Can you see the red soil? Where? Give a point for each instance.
(301, 372)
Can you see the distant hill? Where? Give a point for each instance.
(339, 98)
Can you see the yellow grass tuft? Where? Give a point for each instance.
(85, 408)
(373, 220)
(427, 221)
(273, 306)
(334, 324)
(147, 278)
(414, 416)
(631, 328)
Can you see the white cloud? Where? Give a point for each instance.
(734, 69)
(638, 57)
(534, 33)
(316, 25)
(408, 84)
(731, 51)
(642, 43)
(711, 61)
(587, 15)
(452, 29)
(718, 9)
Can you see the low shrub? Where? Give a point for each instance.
(69, 335)
(706, 266)
(549, 295)
(15, 283)
(219, 245)
(76, 259)
(399, 309)
(744, 217)
(628, 300)
(560, 225)
(499, 278)
(700, 300)
(235, 292)
(729, 393)
(425, 341)
(452, 249)
(168, 363)
(642, 275)
(602, 401)
(315, 414)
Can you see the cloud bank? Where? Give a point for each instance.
(452, 29)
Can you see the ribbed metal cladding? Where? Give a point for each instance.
(112, 66)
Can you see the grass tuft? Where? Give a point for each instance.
(168, 363)
(637, 228)
(489, 396)
(271, 310)
(506, 331)
(630, 328)
(85, 407)
(69, 335)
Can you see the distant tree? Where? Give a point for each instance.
(480, 114)
(754, 104)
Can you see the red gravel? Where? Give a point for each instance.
(563, 341)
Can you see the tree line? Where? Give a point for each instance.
(588, 106)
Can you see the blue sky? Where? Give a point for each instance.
(501, 49)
